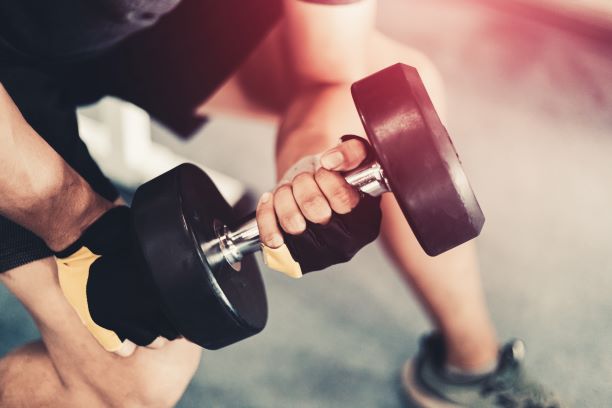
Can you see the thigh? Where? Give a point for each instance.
(384, 51)
(262, 87)
(78, 362)
(171, 68)
(264, 84)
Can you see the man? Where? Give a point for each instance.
(168, 56)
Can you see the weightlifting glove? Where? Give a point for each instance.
(104, 278)
(324, 245)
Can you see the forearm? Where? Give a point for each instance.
(39, 190)
(70, 369)
(327, 51)
(315, 120)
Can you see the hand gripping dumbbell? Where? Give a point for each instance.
(198, 251)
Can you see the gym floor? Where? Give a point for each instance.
(530, 112)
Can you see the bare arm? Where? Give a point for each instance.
(39, 190)
(326, 49)
(44, 194)
(324, 46)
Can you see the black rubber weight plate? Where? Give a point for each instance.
(173, 214)
(418, 158)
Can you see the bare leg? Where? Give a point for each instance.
(449, 285)
(449, 288)
(68, 368)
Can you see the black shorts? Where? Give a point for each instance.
(168, 70)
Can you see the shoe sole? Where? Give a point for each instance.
(417, 394)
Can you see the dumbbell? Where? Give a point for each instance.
(200, 254)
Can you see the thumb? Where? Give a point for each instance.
(347, 155)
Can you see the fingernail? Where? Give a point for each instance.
(265, 197)
(332, 159)
(275, 241)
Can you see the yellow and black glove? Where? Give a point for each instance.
(105, 279)
(324, 245)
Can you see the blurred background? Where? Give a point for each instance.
(529, 88)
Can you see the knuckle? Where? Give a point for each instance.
(281, 205)
(301, 178)
(313, 203)
(286, 221)
(283, 189)
(289, 226)
(328, 180)
(316, 209)
(292, 224)
(281, 193)
(284, 204)
(344, 199)
(323, 175)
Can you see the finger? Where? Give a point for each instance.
(127, 349)
(310, 199)
(287, 211)
(346, 156)
(340, 195)
(269, 233)
(158, 343)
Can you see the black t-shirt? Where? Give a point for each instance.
(167, 68)
(68, 28)
(65, 28)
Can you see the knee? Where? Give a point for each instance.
(384, 51)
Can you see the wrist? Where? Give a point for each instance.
(298, 147)
(316, 119)
(71, 211)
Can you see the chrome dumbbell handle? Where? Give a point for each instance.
(232, 245)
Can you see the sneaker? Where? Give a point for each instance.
(428, 386)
